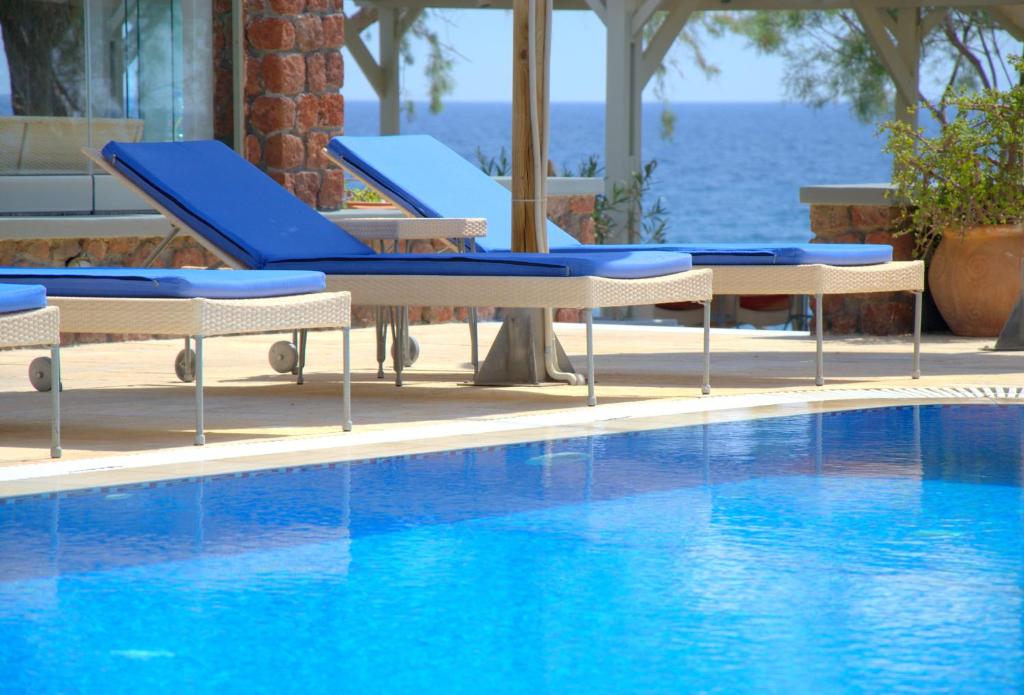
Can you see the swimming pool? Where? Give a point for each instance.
(871, 550)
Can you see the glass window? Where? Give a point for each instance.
(77, 73)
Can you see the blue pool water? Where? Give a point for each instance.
(867, 551)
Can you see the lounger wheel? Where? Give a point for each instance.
(412, 354)
(185, 365)
(40, 374)
(284, 357)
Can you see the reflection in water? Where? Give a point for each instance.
(307, 504)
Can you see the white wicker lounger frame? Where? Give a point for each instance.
(198, 318)
(513, 292)
(38, 327)
(818, 280)
(815, 280)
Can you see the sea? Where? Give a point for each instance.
(731, 172)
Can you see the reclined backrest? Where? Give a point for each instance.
(231, 203)
(427, 178)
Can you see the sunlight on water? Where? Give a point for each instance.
(866, 551)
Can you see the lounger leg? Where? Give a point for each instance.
(188, 348)
(705, 388)
(591, 397)
(55, 451)
(474, 341)
(819, 328)
(381, 332)
(295, 342)
(303, 337)
(407, 346)
(346, 381)
(398, 339)
(200, 433)
(916, 369)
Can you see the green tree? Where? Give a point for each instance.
(828, 56)
(44, 45)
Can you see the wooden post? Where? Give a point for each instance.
(525, 350)
(524, 183)
(908, 43)
(389, 40)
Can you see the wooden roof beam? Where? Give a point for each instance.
(889, 52)
(664, 37)
(1010, 18)
(366, 62)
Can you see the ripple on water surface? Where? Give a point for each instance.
(870, 550)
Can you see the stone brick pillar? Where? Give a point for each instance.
(293, 105)
(223, 111)
(881, 313)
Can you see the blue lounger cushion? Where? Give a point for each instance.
(427, 178)
(776, 254)
(243, 211)
(166, 283)
(230, 202)
(21, 298)
(625, 265)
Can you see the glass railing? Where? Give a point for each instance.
(79, 73)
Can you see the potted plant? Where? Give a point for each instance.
(364, 198)
(963, 190)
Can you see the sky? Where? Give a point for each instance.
(483, 38)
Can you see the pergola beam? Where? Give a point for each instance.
(383, 76)
(664, 37)
(624, 57)
(893, 49)
(365, 61)
(1010, 18)
(644, 13)
(598, 6)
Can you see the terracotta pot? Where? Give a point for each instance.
(975, 278)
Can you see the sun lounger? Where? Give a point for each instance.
(425, 178)
(194, 304)
(244, 217)
(25, 321)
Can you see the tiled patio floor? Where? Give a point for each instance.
(124, 397)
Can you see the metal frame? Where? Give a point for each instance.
(198, 319)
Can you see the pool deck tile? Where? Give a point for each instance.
(125, 412)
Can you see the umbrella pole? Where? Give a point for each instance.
(526, 350)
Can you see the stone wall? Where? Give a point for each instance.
(293, 106)
(890, 313)
(574, 214)
(293, 74)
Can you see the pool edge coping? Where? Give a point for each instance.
(166, 464)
